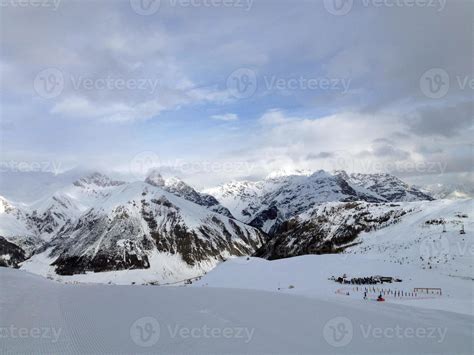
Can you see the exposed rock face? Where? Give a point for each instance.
(142, 219)
(329, 228)
(181, 189)
(267, 204)
(97, 179)
(11, 255)
(268, 216)
(48, 216)
(100, 224)
(154, 178)
(387, 186)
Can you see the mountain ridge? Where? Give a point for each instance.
(267, 203)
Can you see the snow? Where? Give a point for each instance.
(293, 192)
(40, 316)
(310, 277)
(11, 223)
(100, 200)
(414, 242)
(284, 172)
(239, 195)
(165, 268)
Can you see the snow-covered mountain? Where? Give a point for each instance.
(100, 224)
(181, 189)
(163, 230)
(388, 187)
(450, 191)
(139, 219)
(19, 240)
(49, 215)
(11, 255)
(268, 203)
(425, 234)
(329, 228)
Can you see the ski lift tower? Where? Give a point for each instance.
(462, 231)
(444, 227)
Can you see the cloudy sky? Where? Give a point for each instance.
(212, 90)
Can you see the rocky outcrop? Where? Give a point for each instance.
(267, 204)
(11, 255)
(329, 228)
(142, 220)
(180, 188)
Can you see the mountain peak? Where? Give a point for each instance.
(154, 178)
(288, 172)
(341, 173)
(97, 179)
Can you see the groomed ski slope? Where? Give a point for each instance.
(309, 276)
(40, 316)
(414, 242)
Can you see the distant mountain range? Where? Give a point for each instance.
(166, 230)
(99, 224)
(268, 203)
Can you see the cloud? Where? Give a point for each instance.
(226, 117)
(274, 117)
(354, 142)
(444, 121)
(382, 118)
(320, 155)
